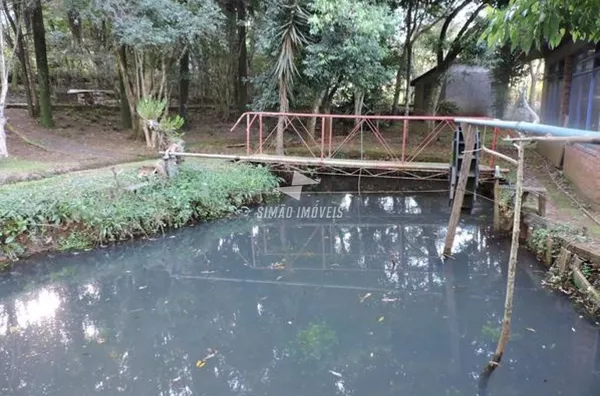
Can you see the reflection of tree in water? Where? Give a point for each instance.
(138, 312)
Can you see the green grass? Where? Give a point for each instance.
(89, 208)
(11, 165)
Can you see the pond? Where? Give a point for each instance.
(335, 294)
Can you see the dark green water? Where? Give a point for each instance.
(351, 301)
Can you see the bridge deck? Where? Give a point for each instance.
(424, 167)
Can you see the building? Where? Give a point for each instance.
(469, 87)
(571, 98)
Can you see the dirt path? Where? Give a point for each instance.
(82, 139)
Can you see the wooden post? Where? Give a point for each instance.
(461, 186)
(497, 199)
(512, 266)
(549, 249)
(542, 204)
(496, 205)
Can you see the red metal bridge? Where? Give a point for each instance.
(409, 147)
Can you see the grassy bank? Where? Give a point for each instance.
(85, 209)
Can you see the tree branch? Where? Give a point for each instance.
(444, 31)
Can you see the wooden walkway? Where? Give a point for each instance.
(339, 163)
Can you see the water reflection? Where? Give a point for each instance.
(355, 305)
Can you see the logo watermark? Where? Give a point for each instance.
(299, 212)
(298, 181)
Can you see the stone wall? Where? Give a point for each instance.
(582, 167)
(553, 152)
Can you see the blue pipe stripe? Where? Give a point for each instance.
(537, 129)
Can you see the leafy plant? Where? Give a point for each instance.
(79, 211)
(75, 241)
(559, 234)
(151, 110)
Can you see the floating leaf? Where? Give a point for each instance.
(387, 299)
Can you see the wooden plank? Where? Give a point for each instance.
(542, 205)
(563, 260)
(588, 253)
(530, 189)
(80, 91)
(461, 186)
(332, 162)
(499, 155)
(583, 284)
(496, 205)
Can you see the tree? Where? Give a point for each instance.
(14, 16)
(448, 48)
(155, 35)
(528, 24)
(39, 42)
(6, 55)
(284, 38)
(242, 72)
(419, 18)
(349, 48)
(184, 86)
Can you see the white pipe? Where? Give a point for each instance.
(538, 129)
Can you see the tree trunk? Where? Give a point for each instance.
(534, 74)
(408, 53)
(184, 87)
(15, 78)
(125, 110)
(283, 108)
(397, 89)
(130, 89)
(359, 97)
(32, 89)
(4, 69)
(512, 266)
(39, 41)
(242, 75)
(23, 56)
(312, 122)
(75, 26)
(3, 148)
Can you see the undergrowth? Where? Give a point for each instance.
(83, 210)
(560, 235)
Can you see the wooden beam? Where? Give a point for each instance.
(461, 186)
(512, 266)
(499, 155)
(496, 205)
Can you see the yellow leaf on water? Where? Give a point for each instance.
(200, 363)
(380, 319)
(364, 297)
